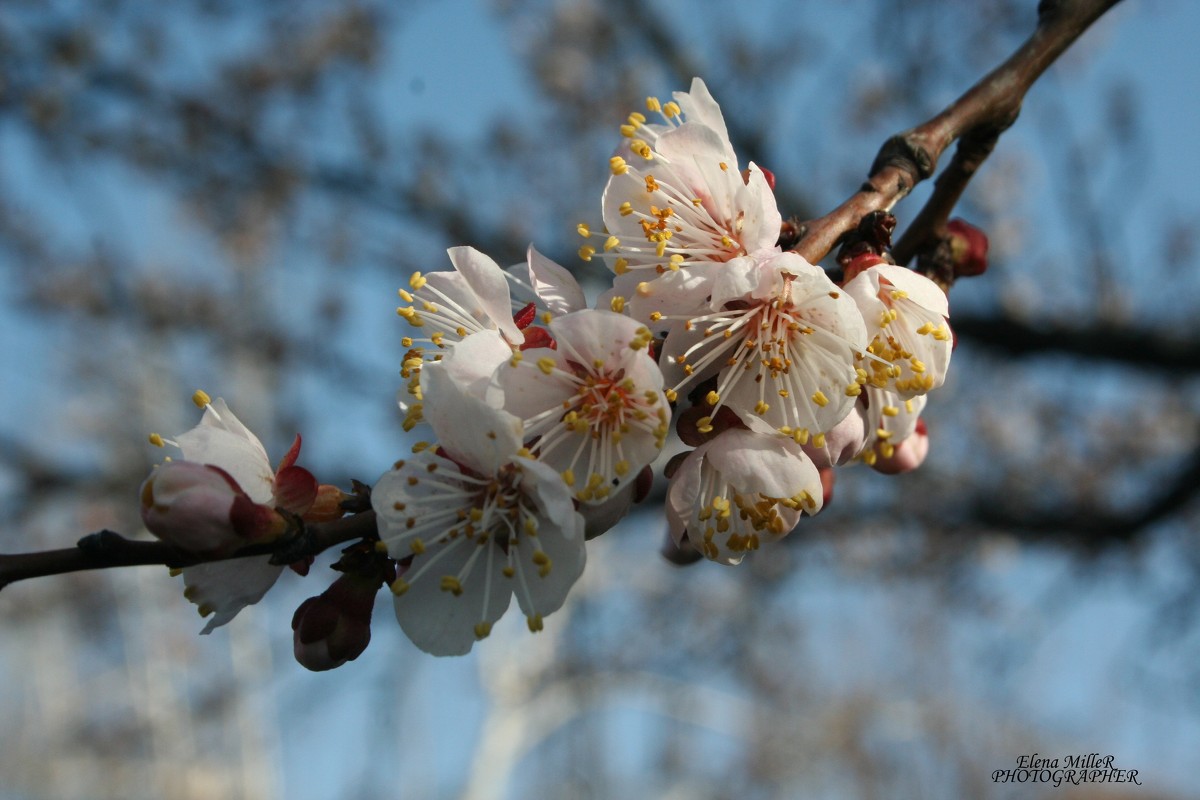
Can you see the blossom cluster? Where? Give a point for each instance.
(548, 417)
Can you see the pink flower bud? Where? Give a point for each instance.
(202, 509)
(335, 627)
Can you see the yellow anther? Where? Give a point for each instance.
(641, 148)
(704, 425)
(761, 408)
(671, 395)
(621, 468)
(820, 399)
(201, 398)
(617, 304)
(819, 440)
(712, 398)
(652, 104)
(671, 109)
(583, 229)
(508, 572)
(417, 545)
(610, 243)
(890, 411)
(655, 316)
(568, 477)
(156, 440)
(637, 119)
(617, 165)
(661, 248)
(625, 209)
(451, 584)
(628, 131)
(416, 281)
(534, 622)
(917, 365)
(586, 252)
(482, 629)
(405, 296)
(621, 266)
(643, 290)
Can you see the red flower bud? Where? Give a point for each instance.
(335, 627)
(968, 247)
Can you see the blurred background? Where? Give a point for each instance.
(226, 195)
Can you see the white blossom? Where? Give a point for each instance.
(474, 521)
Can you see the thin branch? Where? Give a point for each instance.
(1097, 527)
(978, 117)
(107, 549)
(1138, 347)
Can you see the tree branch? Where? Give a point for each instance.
(1137, 347)
(107, 549)
(978, 117)
(1096, 527)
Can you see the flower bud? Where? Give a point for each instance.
(968, 248)
(202, 509)
(335, 627)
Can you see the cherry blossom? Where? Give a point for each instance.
(221, 589)
(677, 207)
(473, 522)
(784, 341)
(740, 487)
(595, 403)
(906, 316)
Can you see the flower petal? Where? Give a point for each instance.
(487, 281)
(472, 432)
(226, 587)
(554, 284)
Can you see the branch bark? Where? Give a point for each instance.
(977, 118)
(106, 549)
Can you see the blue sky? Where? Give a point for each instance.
(452, 65)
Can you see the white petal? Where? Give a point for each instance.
(473, 432)
(223, 441)
(229, 586)
(471, 362)
(773, 466)
(487, 281)
(440, 622)
(554, 285)
(699, 106)
(590, 335)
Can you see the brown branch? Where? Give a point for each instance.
(106, 549)
(978, 118)
(1092, 527)
(1140, 347)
